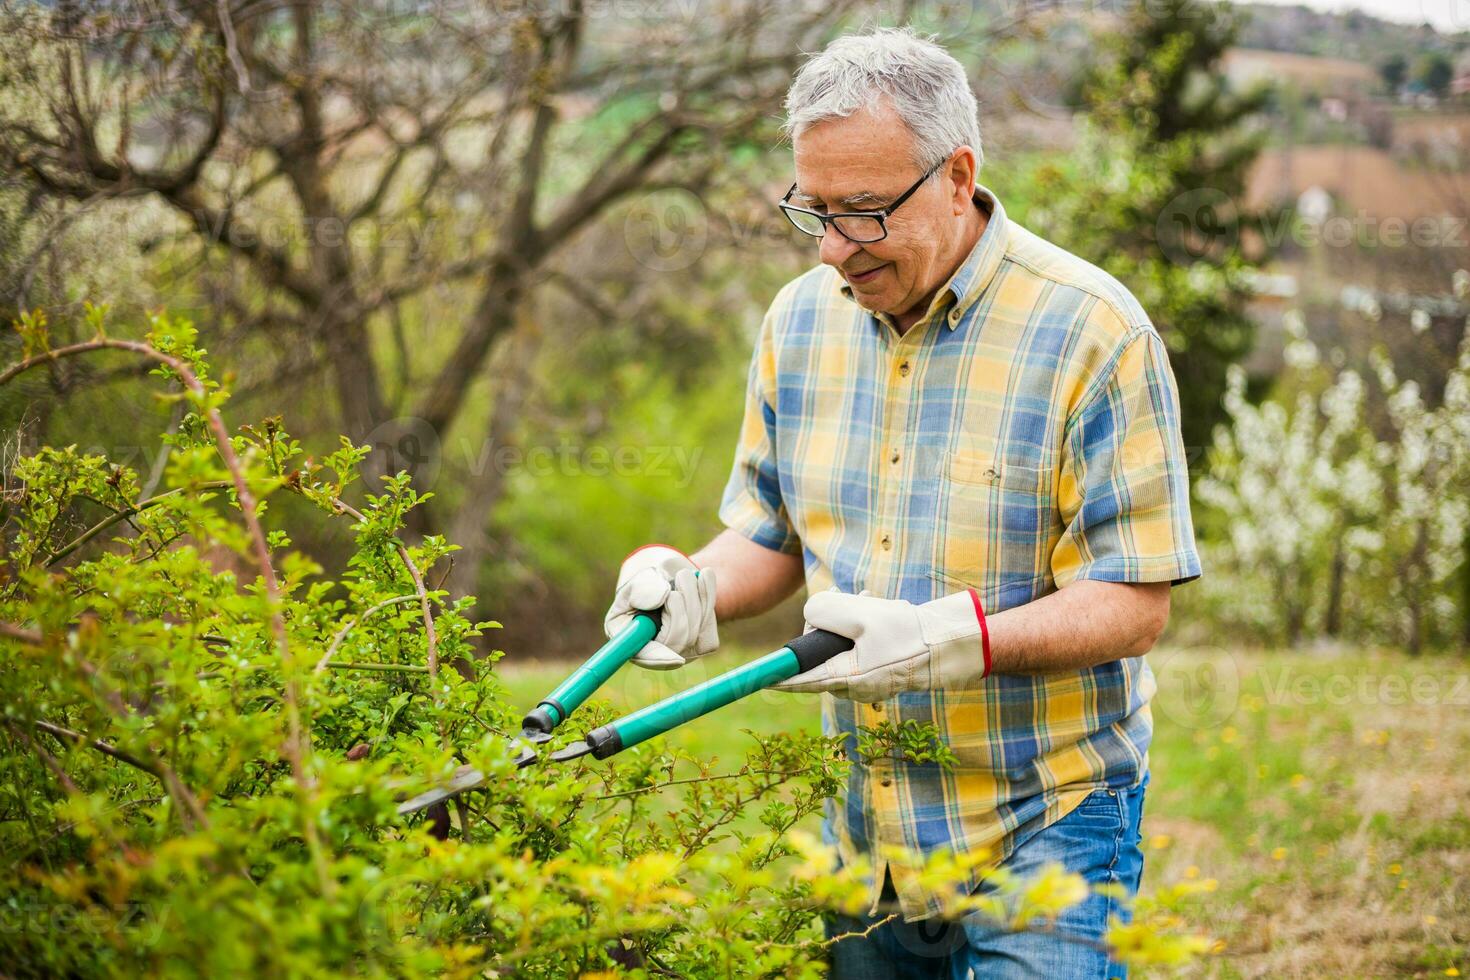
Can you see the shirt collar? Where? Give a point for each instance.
(968, 282)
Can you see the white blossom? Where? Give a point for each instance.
(1304, 485)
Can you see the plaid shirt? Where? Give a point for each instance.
(1023, 435)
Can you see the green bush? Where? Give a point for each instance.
(205, 739)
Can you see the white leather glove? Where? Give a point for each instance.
(897, 646)
(658, 577)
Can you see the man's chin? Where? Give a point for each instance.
(878, 300)
(871, 292)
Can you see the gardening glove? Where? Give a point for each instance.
(897, 646)
(658, 577)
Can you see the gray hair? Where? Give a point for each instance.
(923, 82)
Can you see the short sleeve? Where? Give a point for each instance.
(1124, 487)
(752, 504)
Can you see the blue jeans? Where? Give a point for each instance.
(1099, 840)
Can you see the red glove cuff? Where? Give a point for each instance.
(656, 544)
(984, 631)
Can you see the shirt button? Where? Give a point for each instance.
(894, 457)
(887, 543)
(885, 782)
(903, 369)
(877, 705)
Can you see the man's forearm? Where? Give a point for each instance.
(750, 578)
(1084, 624)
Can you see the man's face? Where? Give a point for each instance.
(864, 162)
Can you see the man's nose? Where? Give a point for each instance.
(836, 248)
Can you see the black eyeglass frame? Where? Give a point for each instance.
(881, 214)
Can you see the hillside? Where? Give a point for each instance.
(1354, 35)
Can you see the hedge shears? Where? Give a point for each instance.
(804, 653)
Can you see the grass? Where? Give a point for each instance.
(1326, 794)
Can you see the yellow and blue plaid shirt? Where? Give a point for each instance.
(1023, 435)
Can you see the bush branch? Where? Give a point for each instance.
(122, 515)
(297, 744)
(325, 662)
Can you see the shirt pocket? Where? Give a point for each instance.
(995, 527)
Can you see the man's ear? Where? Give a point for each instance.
(962, 172)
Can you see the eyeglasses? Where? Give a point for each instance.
(859, 227)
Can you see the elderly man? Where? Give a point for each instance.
(966, 440)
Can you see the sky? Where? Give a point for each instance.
(1446, 15)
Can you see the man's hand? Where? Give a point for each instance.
(659, 577)
(898, 646)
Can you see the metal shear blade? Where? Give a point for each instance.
(466, 778)
(573, 751)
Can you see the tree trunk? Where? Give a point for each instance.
(1332, 625)
(485, 482)
(1416, 575)
(363, 413)
(1465, 594)
(495, 314)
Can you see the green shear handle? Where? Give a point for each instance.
(802, 654)
(579, 685)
